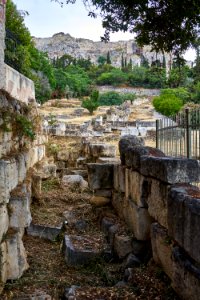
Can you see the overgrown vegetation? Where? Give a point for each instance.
(70, 77)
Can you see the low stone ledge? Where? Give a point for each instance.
(100, 176)
(133, 155)
(170, 170)
(79, 250)
(45, 232)
(184, 218)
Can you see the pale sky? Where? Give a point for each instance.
(47, 18)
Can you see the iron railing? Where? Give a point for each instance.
(179, 136)
(11, 56)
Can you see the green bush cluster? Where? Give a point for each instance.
(114, 98)
(167, 104)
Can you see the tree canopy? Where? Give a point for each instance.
(165, 25)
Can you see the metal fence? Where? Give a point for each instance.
(179, 136)
(11, 55)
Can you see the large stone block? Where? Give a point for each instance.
(162, 248)
(118, 202)
(157, 201)
(138, 220)
(16, 256)
(170, 170)
(103, 150)
(100, 176)
(138, 188)
(127, 141)
(3, 262)
(8, 178)
(133, 155)
(116, 177)
(21, 166)
(19, 207)
(184, 218)
(182, 270)
(4, 220)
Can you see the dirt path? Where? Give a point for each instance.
(50, 275)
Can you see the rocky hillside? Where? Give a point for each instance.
(61, 43)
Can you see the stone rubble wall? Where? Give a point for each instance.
(18, 155)
(153, 194)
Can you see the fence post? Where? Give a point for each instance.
(157, 127)
(188, 133)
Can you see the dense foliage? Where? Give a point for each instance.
(114, 98)
(167, 104)
(68, 76)
(92, 102)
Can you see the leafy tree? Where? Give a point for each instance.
(108, 60)
(91, 103)
(165, 25)
(114, 77)
(167, 104)
(101, 60)
(110, 98)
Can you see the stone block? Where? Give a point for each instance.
(21, 166)
(79, 250)
(104, 150)
(45, 232)
(3, 263)
(157, 201)
(181, 269)
(100, 176)
(16, 257)
(99, 201)
(133, 155)
(121, 170)
(138, 220)
(118, 203)
(4, 220)
(162, 248)
(107, 160)
(116, 177)
(19, 207)
(170, 170)
(184, 218)
(127, 141)
(122, 245)
(8, 178)
(138, 189)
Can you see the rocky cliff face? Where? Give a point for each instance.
(60, 44)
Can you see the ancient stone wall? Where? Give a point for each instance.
(2, 43)
(153, 194)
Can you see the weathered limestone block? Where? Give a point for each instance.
(104, 150)
(118, 203)
(133, 155)
(74, 181)
(170, 170)
(100, 176)
(181, 269)
(162, 248)
(21, 166)
(4, 220)
(127, 141)
(19, 207)
(16, 257)
(116, 177)
(186, 276)
(63, 155)
(105, 160)
(99, 201)
(157, 201)
(8, 178)
(122, 245)
(36, 186)
(45, 232)
(41, 152)
(119, 178)
(184, 218)
(138, 220)
(3, 262)
(138, 188)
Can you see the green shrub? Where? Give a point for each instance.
(181, 93)
(91, 103)
(110, 98)
(167, 105)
